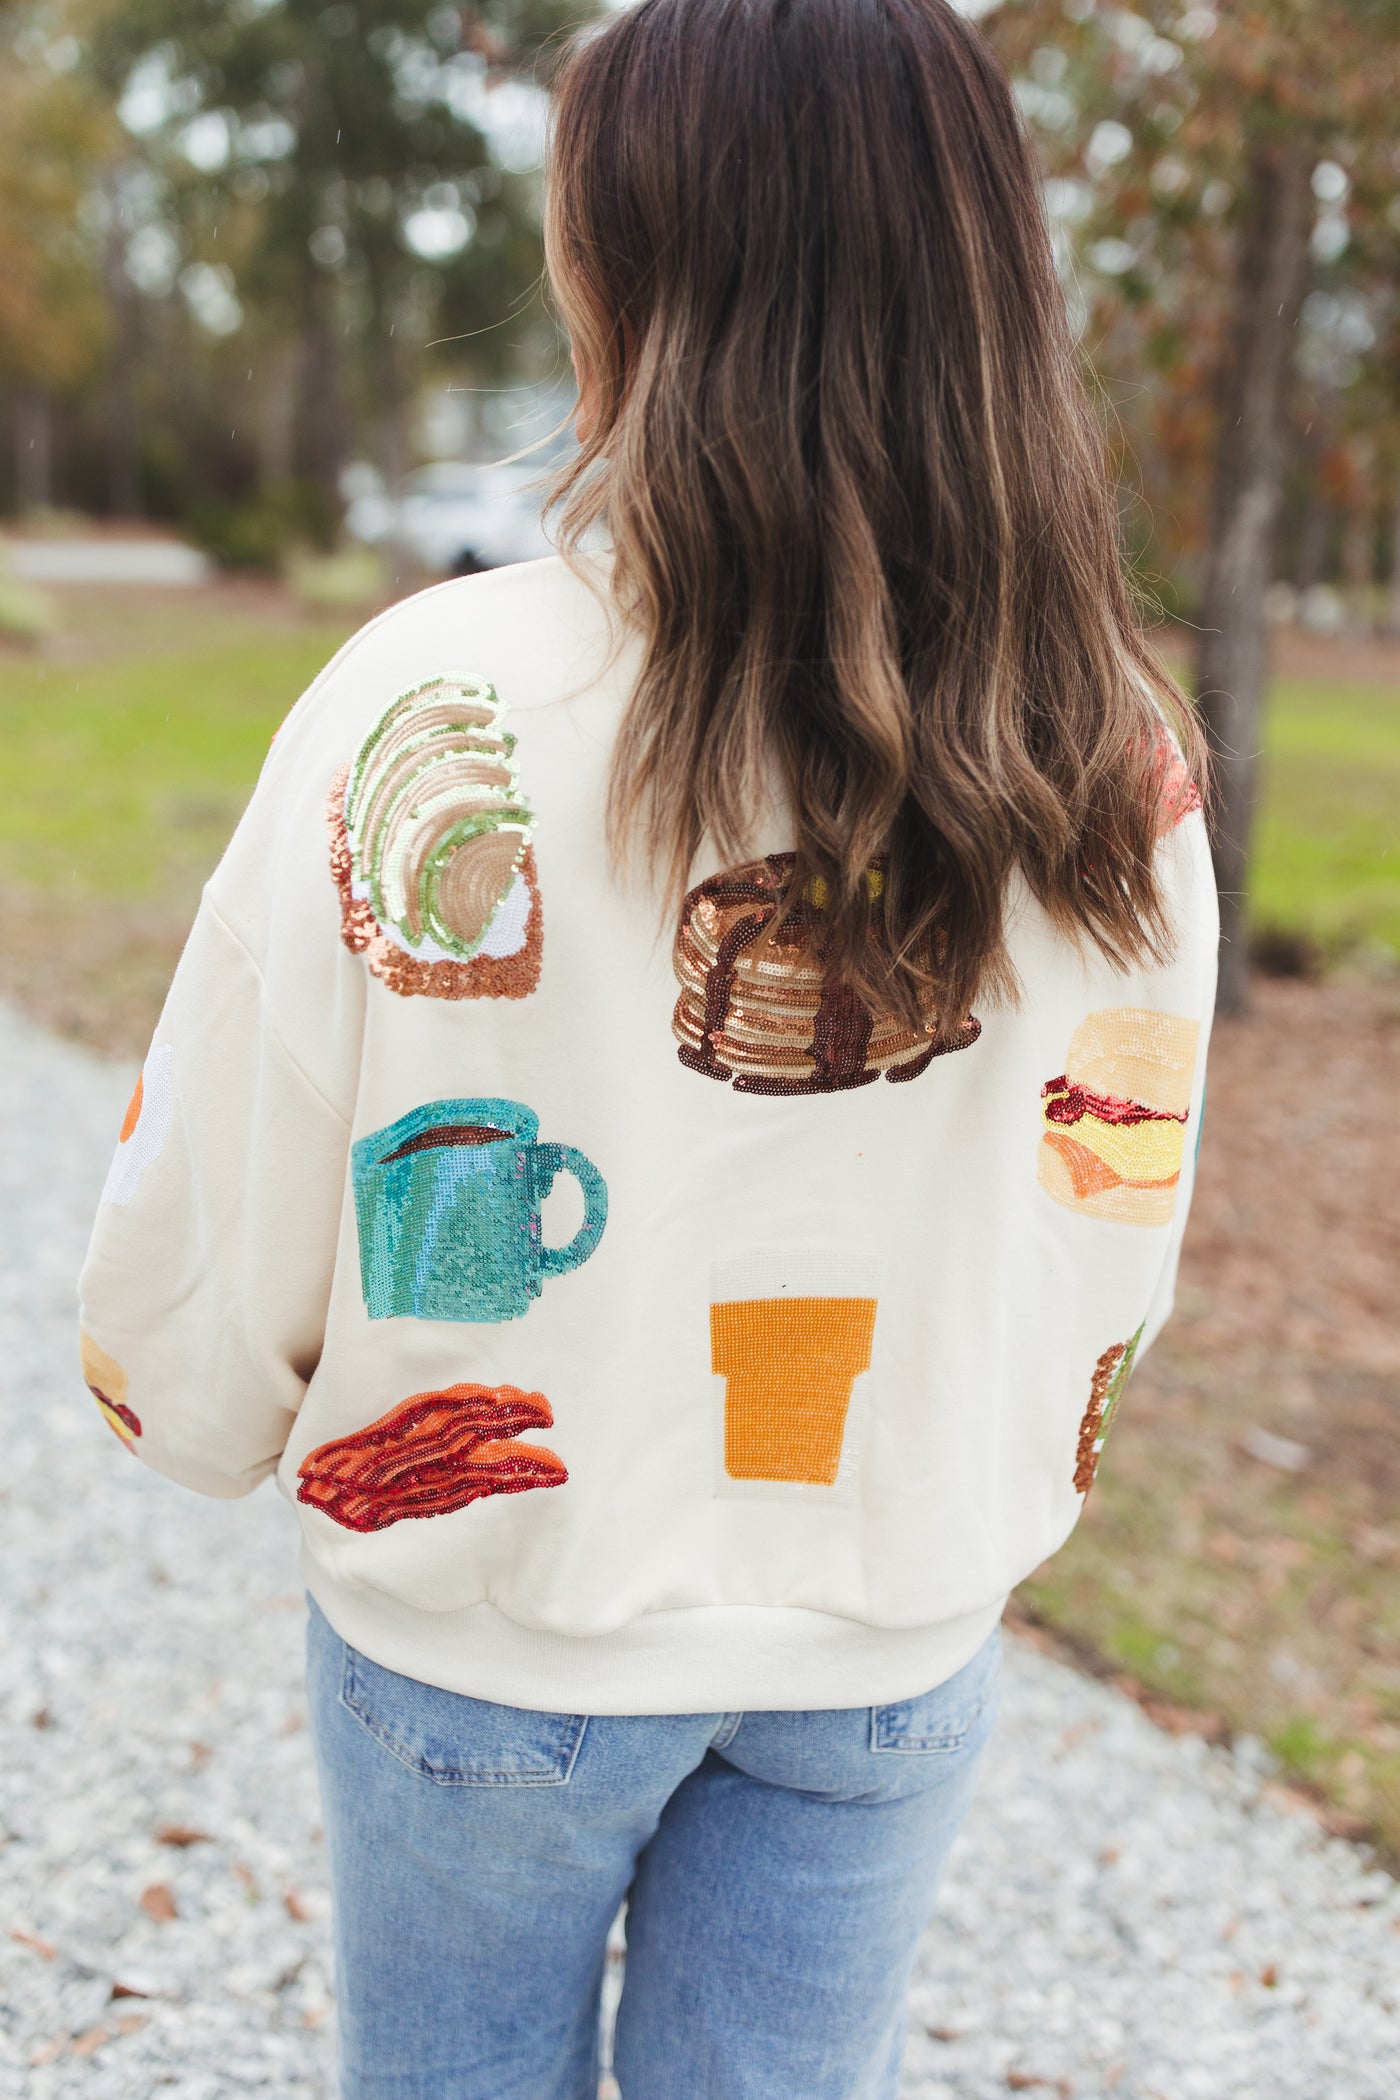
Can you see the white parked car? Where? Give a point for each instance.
(455, 518)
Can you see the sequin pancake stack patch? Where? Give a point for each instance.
(431, 849)
(764, 1015)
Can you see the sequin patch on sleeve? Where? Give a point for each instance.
(447, 1205)
(1115, 1118)
(1179, 795)
(1109, 1383)
(769, 1021)
(790, 1348)
(145, 1126)
(106, 1381)
(430, 1455)
(431, 849)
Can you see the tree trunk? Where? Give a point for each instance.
(274, 385)
(320, 434)
(388, 367)
(33, 434)
(123, 445)
(1312, 534)
(1270, 280)
(1392, 609)
(1359, 546)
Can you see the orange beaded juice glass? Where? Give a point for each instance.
(789, 1359)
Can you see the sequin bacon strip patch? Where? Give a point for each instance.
(430, 1455)
(431, 849)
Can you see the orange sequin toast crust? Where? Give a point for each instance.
(483, 977)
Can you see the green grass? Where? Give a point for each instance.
(127, 773)
(1327, 844)
(1252, 1598)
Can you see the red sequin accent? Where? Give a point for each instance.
(119, 1408)
(433, 1453)
(1178, 793)
(1066, 1104)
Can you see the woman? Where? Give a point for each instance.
(677, 1114)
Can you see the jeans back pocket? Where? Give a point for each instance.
(941, 1722)
(455, 1740)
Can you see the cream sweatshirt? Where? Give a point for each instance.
(634, 1325)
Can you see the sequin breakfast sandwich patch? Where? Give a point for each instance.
(766, 1017)
(431, 849)
(1115, 1118)
(106, 1381)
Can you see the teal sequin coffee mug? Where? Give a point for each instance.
(447, 1204)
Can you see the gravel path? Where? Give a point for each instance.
(1128, 1916)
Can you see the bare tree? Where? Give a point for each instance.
(1252, 453)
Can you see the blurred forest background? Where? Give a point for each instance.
(268, 267)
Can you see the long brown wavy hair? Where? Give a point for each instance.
(841, 444)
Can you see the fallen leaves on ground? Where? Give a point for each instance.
(32, 1940)
(181, 1836)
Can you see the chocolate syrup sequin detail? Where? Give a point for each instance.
(766, 1018)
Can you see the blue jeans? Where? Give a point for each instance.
(778, 1870)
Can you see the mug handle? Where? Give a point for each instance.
(549, 1161)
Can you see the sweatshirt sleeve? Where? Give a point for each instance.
(205, 1288)
(1191, 876)
(1164, 1297)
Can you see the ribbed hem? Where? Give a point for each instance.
(713, 1659)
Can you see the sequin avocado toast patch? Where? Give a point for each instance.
(765, 1016)
(432, 1454)
(431, 852)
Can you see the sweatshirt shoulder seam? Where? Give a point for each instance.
(238, 941)
(401, 608)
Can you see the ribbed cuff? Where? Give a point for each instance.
(712, 1659)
